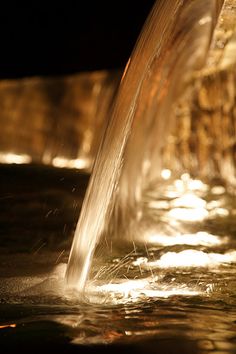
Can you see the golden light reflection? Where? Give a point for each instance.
(191, 258)
(62, 162)
(191, 184)
(188, 215)
(188, 200)
(138, 289)
(125, 287)
(198, 239)
(219, 212)
(218, 190)
(185, 185)
(188, 207)
(166, 174)
(11, 158)
(12, 325)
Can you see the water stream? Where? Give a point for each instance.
(144, 137)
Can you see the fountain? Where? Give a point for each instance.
(152, 265)
(155, 151)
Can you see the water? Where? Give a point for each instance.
(137, 303)
(152, 128)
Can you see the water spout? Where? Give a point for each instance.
(177, 46)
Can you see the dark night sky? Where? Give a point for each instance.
(47, 38)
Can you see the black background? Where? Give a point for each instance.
(57, 38)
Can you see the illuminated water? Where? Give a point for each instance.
(158, 87)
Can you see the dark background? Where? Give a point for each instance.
(47, 38)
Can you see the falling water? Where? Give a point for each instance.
(157, 168)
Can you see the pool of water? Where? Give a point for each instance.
(151, 308)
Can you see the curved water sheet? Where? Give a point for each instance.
(159, 193)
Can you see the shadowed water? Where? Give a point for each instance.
(172, 308)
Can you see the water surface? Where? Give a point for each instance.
(177, 310)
